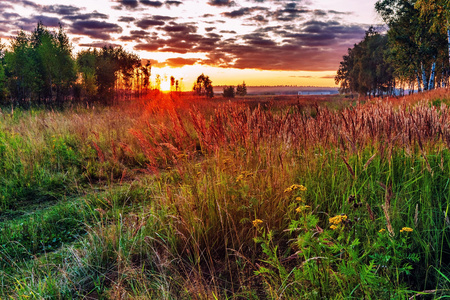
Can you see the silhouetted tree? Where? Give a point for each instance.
(228, 92)
(203, 86)
(241, 89)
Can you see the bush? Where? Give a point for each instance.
(229, 92)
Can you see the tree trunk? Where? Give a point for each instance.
(432, 76)
(419, 84)
(424, 79)
(448, 38)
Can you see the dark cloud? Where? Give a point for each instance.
(29, 24)
(64, 10)
(89, 16)
(146, 23)
(221, 3)
(99, 45)
(228, 31)
(290, 12)
(176, 3)
(127, 19)
(243, 12)
(152, 3)
(4, 6)
(95, 29)
(183, 28)
(146, 47)
(128, 3)
(237, 13)
(9, 16)
(135, 35)
(163, 18)
(258, 19)
(313, 46)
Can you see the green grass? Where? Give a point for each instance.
(158, 203)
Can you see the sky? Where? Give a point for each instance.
(261, 42)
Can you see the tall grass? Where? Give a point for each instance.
(203, 200)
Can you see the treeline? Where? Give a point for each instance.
(413, 54)
(40, 68)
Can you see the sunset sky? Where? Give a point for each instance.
(264, 42)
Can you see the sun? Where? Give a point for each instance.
(165, 86)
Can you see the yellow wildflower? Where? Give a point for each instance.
(295, 187)
(257, 222)
(334, 227)
(381, 230)
(337, 219)
(239, 178)
(406, 229)
(301, 208)
(299, 199)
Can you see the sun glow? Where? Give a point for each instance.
(165, 86)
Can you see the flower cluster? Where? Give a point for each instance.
(336, 220)
(295, 187)
(302, 208)
(406, 229)
(243, 175)
(257, 222)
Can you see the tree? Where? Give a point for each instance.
(241, 89)
(365, 69)
(203, 86)
(417, 52)
(228, 91)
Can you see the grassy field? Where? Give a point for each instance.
(256, 198)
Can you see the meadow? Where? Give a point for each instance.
(178, 197)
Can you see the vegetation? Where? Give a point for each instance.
(241, 89)
(229, 92)
(39, 68)
(413, 54)
(189, 198)
(203, 86)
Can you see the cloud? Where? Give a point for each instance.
(127, 3)
(29, 24)
(126, 19)
(135, 35)
(177, 62)
(95, 29)
(88, 16)
(237, 13)
(176, 3)
(152, 3)
(63, 10)
(99, 45)
(9, 16)
(221, 3)
(146, 23)
(146, 47)
(328, 77)
(184, 28)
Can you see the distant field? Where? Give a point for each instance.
(283, 90)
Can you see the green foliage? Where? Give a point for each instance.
(101, 70)
(228, 92)
(365, 70)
